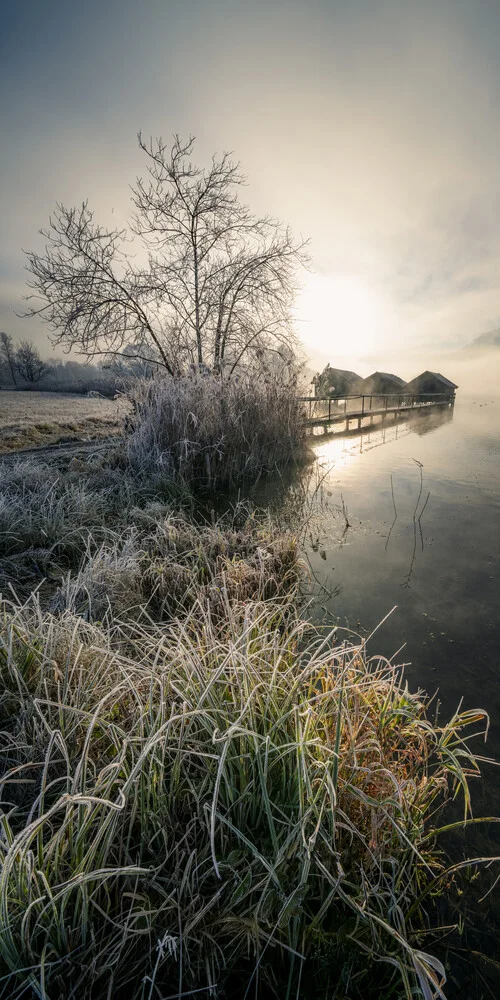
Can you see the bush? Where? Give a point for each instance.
(214, 432)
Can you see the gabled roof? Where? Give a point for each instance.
(394, 378)
(343, 371)
(440, 378)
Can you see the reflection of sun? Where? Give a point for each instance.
(339, 316)
(337, 452)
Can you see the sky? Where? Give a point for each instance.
(372, 127)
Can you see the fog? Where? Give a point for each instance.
(370, 127)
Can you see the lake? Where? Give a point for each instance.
(438, 564)
(440, 568)
(437, 561)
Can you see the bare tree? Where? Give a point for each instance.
(127, 365)
(7, 354)
(217, 288)
(29, 364)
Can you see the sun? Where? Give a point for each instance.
(342, 317)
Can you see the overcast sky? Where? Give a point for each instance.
(371, 126)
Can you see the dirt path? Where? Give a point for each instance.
(65, 449)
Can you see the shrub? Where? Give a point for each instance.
(214, 432)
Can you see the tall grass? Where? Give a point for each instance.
(214, 433)
(128, 542)
(50, 518)
(41, 507)
(200, 793)
(243, 813)
(185, 433)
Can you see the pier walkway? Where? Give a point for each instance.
(324, 411)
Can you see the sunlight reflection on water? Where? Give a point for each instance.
(438, 559)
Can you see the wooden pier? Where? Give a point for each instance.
(325, 411)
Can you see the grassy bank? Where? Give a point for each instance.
(202, 794)
(128, 540)
(240, 813)
(33, 418)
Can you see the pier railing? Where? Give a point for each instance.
(332, 409)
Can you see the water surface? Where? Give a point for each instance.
(422, 500)
(423, 505)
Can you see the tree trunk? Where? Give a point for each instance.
(197, 308)
(11, 366)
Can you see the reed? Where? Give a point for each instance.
(246, 812)
(214, 433)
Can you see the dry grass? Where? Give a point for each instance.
(213, 433)
(251, 813)
(164, 564)
(30, 419)
(201, 792)
(129, 547)
(47, 516)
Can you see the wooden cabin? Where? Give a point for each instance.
(336, 382)
(431, 384)
(381, 384)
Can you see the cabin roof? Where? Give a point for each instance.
(394, 378)
(438, 376)
(344, 372)
(442, 378)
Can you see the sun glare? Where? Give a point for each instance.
(341, 317)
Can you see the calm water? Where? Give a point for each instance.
(440, 568)
(438, 562)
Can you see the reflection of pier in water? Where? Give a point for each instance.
(390, 428)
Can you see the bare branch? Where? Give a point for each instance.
(217, 277)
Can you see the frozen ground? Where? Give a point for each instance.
(28, 419)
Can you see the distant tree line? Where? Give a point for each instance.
(22, 363)
(22, 367)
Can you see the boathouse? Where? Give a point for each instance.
(336, 382)
(432, 384)
(381, 384)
